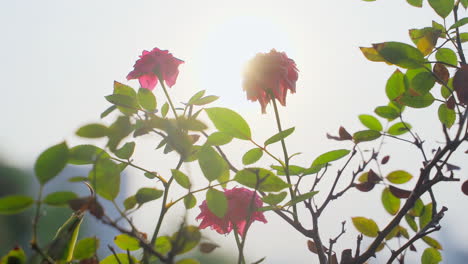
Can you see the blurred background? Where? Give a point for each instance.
(60, 58)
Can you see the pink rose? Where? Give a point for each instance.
(154, 63)
(239, 200)
(270, 75)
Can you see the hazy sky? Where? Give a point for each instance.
(60, 58)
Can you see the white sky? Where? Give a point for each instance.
(60, 58)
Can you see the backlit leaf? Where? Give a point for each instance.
(190, 201)
(426, 216)
(217, 202)
(218, 139)
(182, 179)
(417, 101)
(119, 258)
(366, 226)
(446, 116)
(86, 154)
(274, 199)
(431, 256)
(447, 55)
(105, 178)
(416, 3)
(399, 177)
(146, 99)
(387, 112)
(366, 135)
(126, 151)
(14, 204)
(371, 122)
(425, 39)
(300, 198)
(395, 87)
(432, 242)
(51, 162)
(279, 136)
(252, 156)
(442, 7)
(92, 131)
(390, 202)
(399, 128)
(330, 156)
(145, 195)
(86, 248)
(211, 163)
(126, 242)
(265, 180)
(60, 198)
(229, 122)
(400, 54)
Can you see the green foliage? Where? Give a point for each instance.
(366, 135)
(86, 248)
(59, 198)
(390, 202)
(399, 177)
(432, 242)
(387, 112)
(182, 179)
(119, 258)
(442, 7)
(185, 239)
(145, 195)
(330, 156)
(126, 151)
(279, 136)
(211, 163)
(218, 139)
(301, 198)
(14, 256)
(93, 131)
(252, 156)
(426, 216)
(51, 162)
(14, 204)
(163, 244)
(431, 256)
(366, 226)
(274, 199)
(190, 201)
(146, 99)
(63, 245)
(446, 115)
(229, 122)
(105, 178)
(217, 202)
(399, 128)
(86, 154)
(416, 3)
(400, 54)
(126, 242)
(371, 122)
(260, 179)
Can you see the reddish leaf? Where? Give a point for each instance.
(207, 247)
(460, 84)
(87, 204)
(311, 246)
(451, 167)
(364, 186)
(465, 187)
(451, 102)
(385, 160)
(373, 177)
(400, 193)
(412, 248)
(344, 135)
(442, 73)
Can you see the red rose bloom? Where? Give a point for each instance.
(239, 200)
(270, 75)
(154, 63)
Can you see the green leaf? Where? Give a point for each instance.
(395, 87)
(432, 242)
(371, 54)
(431, 256)
(105, 178)
(206, 100)
(390, 202)
(51, 162)
(464, 3)
(86, 248)
(426, 216)
(301, 198)
(229, 122)
(126, 242)
(387, 112)
(399, 177)
(86, 154)
(59, 198)
(460, 23)
(447, 55)
(274, 199)
(109, 110)
(92, 131)
(267, 180)
(218, 139)
(164, 109)
(217, 202)
(211, 163)
(416, 3)
(124, 103)
(410, 220)
(399, 128)
(279, 136)
(126, 151)
(119, 258)
(442, 7)
(293, 170)
(330, 156)
(418, 208)
(252, 156)
(425, 38)
(182, 179)
(447, 116)
(190, 201)
(145, 195)
(163, 244)
(130, 202)
(196, 96)
(422, 83)
(366, 226)
(185, 239)
(400, 54)
(417, 101)
(366, 135)
(15, 256)
(14, 204)
(146, 99)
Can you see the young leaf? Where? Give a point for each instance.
(126, 151)
(92, 131)
(387, 112)
(330, 156)
(182, 179)
(59, 198)
(390, 202)
(399, 177)
(371, 122)
(279, 136)
(14, 204)
(366, 226)
(431, 256)
(145, 195)
(206, 100)
(301, 198)
(252, 156)
(217, 202)
(395, 87)
(86, 248)
(400, 54)
(130, 202)
(229, 122)
(267, 180)
(146, 99)
(426, 216)
(164, 109)
(190, 201)
(218, 139)
(51, 162)
(432, 242)
(126, 242)
(410, 220)
(366, 135)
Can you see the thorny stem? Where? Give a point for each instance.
(286, 157)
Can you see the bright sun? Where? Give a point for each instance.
(229, 47)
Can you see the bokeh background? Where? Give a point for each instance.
(60, 58)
